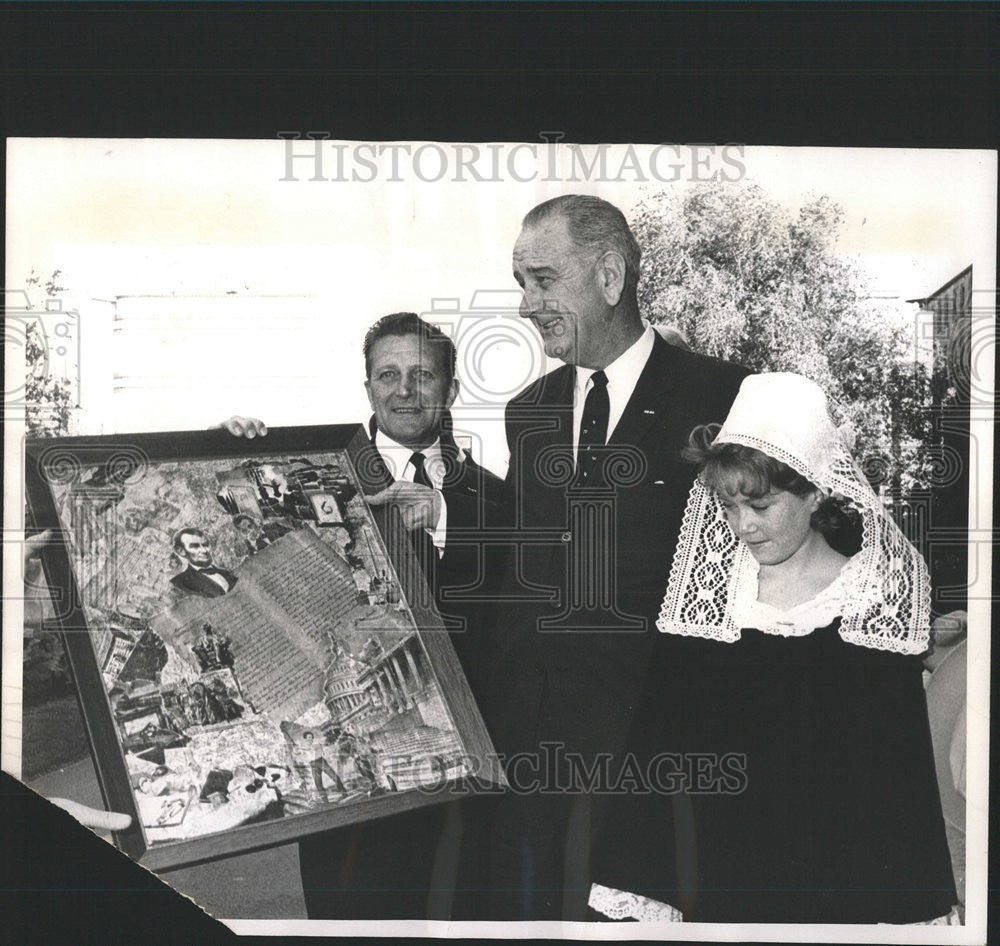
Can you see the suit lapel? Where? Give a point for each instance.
(451, 455)
(454, 464)
(650, 398)
(557, 396)
(369, 465)
(559, 390)
(557, 440)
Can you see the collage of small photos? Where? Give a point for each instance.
(258, 655)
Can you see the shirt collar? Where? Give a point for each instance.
(396, 456)
(623, 373)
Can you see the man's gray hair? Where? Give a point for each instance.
(594, 225)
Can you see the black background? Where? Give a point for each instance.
(865, 75)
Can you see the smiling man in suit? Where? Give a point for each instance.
(411, 385)
(200, 576)
(595, 465)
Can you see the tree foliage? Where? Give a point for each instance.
(48, 400)
(51, 283)
(747, 281)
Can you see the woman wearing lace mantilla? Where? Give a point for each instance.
(793, 619)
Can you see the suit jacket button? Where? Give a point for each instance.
(539, 669)
(566, 537)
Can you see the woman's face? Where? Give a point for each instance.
(773, 526)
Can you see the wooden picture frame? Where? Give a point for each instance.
(301, 681)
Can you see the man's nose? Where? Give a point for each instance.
(534, 301)
(405, 387)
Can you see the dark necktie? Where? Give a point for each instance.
(593, 428)
(422, 543)
(419, 473)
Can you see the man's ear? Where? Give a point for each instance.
(452, 393)
(368, 391)
(611, 276)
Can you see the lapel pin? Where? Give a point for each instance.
(649, 412)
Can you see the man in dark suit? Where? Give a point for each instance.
(596, 477)
(411, 385)
(200, 576)
(425, 863)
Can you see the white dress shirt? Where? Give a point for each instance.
(623, 375)
(397, 461)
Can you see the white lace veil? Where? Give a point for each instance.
(785, 416)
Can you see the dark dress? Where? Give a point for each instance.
(833, 817)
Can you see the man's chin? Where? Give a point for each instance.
(557, 348)
(408, 433)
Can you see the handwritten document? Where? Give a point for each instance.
(278, 619)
